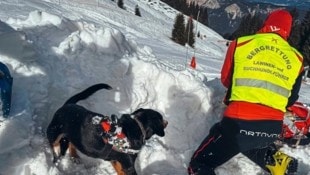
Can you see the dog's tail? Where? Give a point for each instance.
(87, 92)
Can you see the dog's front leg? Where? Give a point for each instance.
(120, 170)
(118, 167)
(56, 148)
(125, 165)
(73, 153)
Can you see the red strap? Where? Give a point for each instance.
(121, 135)
(106, 126)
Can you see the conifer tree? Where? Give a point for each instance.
(120, 4)
(203, 16)
(249, 24)
(305, 38)
(189, 32)
(178, 31)
(306, 52)
(137, 11)
(294, 38)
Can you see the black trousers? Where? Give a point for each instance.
(230, 137)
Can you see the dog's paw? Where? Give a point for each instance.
(56, 161)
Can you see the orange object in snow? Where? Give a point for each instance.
(193, 63)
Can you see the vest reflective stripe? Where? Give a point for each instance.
(265, 70)
(263, 84)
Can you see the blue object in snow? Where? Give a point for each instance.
(6, 82)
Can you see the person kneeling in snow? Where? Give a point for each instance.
(263, 74)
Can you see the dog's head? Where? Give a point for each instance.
(152, 121)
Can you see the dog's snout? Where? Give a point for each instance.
(165, 123)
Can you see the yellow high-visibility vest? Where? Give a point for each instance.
(265, 70)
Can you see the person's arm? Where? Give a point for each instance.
(295, 91)
(297, 85)
(227, 68)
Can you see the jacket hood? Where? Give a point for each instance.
(278, 21)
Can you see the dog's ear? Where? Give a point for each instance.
(152, 121)
(158, 128)
(156, 123)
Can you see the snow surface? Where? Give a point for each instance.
(56, 48)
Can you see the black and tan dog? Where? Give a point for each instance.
(74, 127)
